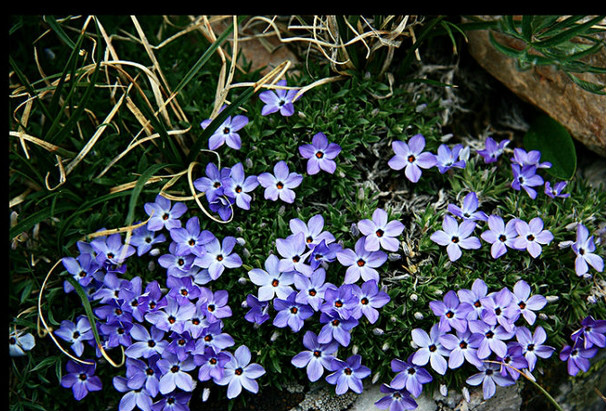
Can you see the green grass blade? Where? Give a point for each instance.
(568, 34)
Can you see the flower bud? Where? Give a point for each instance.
(354, 230)
(419, 316)
(394, 257)
(378, 331)
(376, 377)
(241, 241)
(355, 349)
(465, 392)
(205, 394)
(414, 297)
(274, 336)
(154, 252)
(385, 347)
(242, 280)
(552, 298)
(444, 390)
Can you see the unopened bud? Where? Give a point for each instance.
(385, 347)
(245, 253)
(444, 390)
(151, 266)
(414, 297)
(552, 298)
(376, 377)
(465, 393)
(154, 252)
(241, 241)
(274, 336)
(419, 316)
(205, 394)
(394, 257)
(354, 349)
(591, 299)
(242, 280)
(244, 304)
(378, 331)
(354, 230)
(248, 162)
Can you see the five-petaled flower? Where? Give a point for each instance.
(584, 248)
(411, 157)
(281, 99)
(281, 183)
(240, 372)
(347, 374)
(381, 232)
(455, 237)
(316, 358)
(81, 378)
(227, 132)
(320, 154)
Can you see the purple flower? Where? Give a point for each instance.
(133, 398)
(380, 232)
(213, 336)
(84, 269)
(223, 206)
(219, 256)
(181, 344)
(76, 333)
(316, 358)
(19, 342)
(313, 231)
(499, 309)
(577, 357)
(526, 304)
(111, 250)
(176, 265)
(411, 157)
(175, 373)
(271, 281)
(469, 209)
(530, 158)
(455, 237)
(212, 184)
(584, 248)
(320, 154)
(447, 158)
(239, 372)
(592, 332)
(312, 288)
(531, 236)
(395, 400)
(133, 299)
(556, 190)
(492, 150)
(182, 288)
(211, 364)
(141, 374)
(347, 374)
(361, 263)
(191, 239)
(526, 178)
(293, 251)
(214, 305)
(291, 313)
(258, 310)
(226, 133)
(430, 349)
(143, 239)
(280, 99)
(513, 362)
(409, 376)
(493, 337)
(148, 343)
(324, 253)
(369, 298)
(163, 214)
(173, 317)
(81, 379)
(490, 377)
(281, 183)
(452, 312)
(175, 401)
(500, 235)
(336, 328)
(478, 291)
(532, 345)
(462, 346)
(342, 300)
(237, 186)
(117, 333)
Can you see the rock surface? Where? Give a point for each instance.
(581, 112)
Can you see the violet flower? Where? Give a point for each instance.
(181, 344)
(238, 185)
(409, 377)
(478, 291)
(489, 376)
(577, 358)
(447, 158)
(492, 150)
(212, 184)
(147, 343)
(395, 400)
(312, 288)
(84, 269)
(281, 183)
(240, 372)
(173, 317)
(182, 288)
(361, 263)
(347, 374)
(430, 349)
(469, 209)
(219, 256)
(532, 236)
(493, 338)
(452, 312)
(532, 345)
(175, 373)
(320, 154)
(313, 230)
(526, 304)
(293, 251)
(257, 312)
(163, 214)
(513, 362)
(175, 401)
(111, 250)
(213, 336)
(531, 158)
(316, 358)
(214, 304)
(556, 190)
(271, 281)
(143, 239)
(456, 237)
(227, 132)
(499, 309)
(592, 333)
(410, 157)
(324, 253)
(584, 248)
(335, 327)
(342, 300)
(81, 379)
(76, 333)
(211, 364)
(369, 298)
(526, 178)
(380, 232)
(291, 313)
(176, 265)
(19, 342)
(502, 236)
(191, 239)
(133, 398)
(462, 346)
(280, 99)
(143, 375)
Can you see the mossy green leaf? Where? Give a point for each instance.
(555, 144)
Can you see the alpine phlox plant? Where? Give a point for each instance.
(331, 237)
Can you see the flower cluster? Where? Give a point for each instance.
(293, 282)
(488, 330)
(586, 341)
(167, 330)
